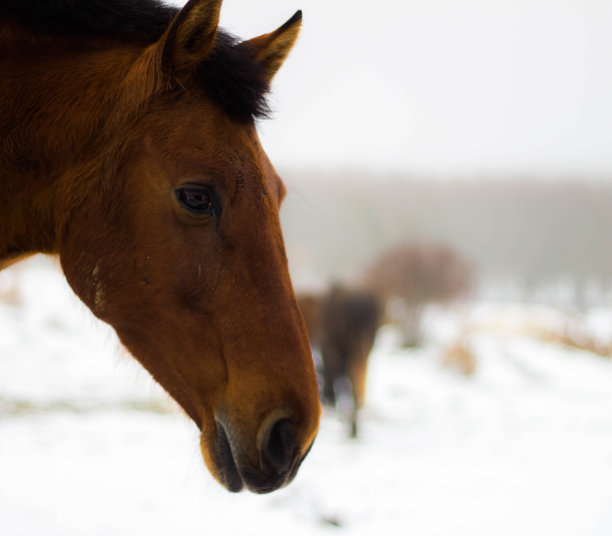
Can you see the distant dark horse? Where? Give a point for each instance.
(342, 324)
(128, 147)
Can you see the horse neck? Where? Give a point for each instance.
(62, 116)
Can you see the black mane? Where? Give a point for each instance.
(229, 74)
(141, 20)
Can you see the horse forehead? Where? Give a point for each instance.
(246, 166)
(196, 137)
(246, 163)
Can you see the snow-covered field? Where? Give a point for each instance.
(89, 446)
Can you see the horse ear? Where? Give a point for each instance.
(190, 37)
(271, 49)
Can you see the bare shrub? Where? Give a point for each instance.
(410, 276)
(573, 335)
(460, 357)
(10, 290)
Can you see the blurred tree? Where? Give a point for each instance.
(408, 277)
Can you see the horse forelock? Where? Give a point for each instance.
(234, 80)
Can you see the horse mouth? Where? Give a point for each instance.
(235, 474)
(226, 464)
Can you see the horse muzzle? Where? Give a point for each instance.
(277, 455)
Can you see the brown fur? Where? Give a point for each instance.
(94, 140)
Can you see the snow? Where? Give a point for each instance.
(89, 445)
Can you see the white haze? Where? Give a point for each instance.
(441, 87)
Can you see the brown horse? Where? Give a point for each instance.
(128, 147)
(342, 325)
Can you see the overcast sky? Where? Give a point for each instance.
(443, 87)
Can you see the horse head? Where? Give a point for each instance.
(179, 248)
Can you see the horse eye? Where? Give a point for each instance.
(199, 200)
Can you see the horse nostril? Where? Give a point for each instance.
(278, 449)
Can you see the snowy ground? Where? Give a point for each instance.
(88, 446)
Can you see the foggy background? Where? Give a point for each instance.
(481, 125)
(443, 88)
